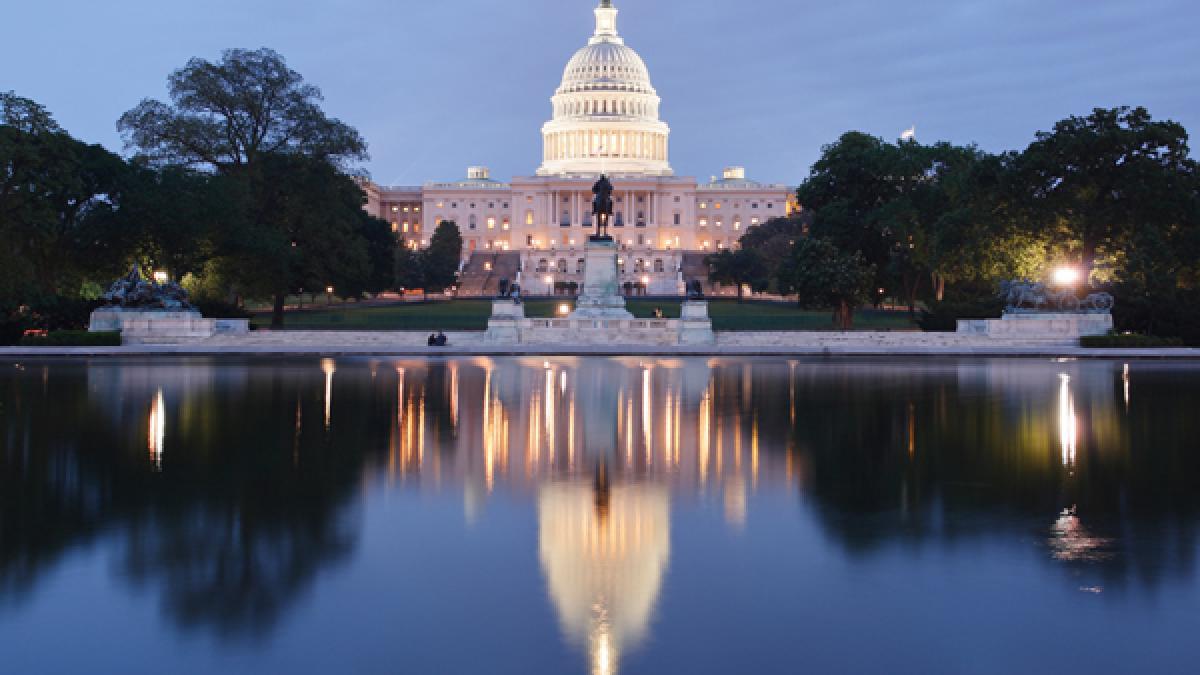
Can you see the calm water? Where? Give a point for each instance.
(599, 516)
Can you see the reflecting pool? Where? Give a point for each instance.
(599, 515)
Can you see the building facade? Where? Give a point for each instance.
(605, 119)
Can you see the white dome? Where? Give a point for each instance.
(606, 66)
(605, 111)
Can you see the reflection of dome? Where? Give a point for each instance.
(603, 563)
(605, 111)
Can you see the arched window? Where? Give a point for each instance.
(471, 221)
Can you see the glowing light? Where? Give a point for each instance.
(1066, 276)
(548, 279)
(329, 290)
(160, 277)
(1125, 384)
(564, 309)
(645, 279)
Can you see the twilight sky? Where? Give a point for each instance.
(436, 85)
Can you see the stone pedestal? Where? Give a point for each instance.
(601, 297)
(150, 326)
(1035, 325)
(695, 328)
(504, 324)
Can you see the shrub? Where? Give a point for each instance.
(73, 338)
(1129, 340)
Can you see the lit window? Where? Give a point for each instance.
(441, 204)
(717, 222)
(406, 226)
(529, 217)
(754, 220)
(406, 209)
(416, 209)
(717, 205)
(491, 222)
(395, 209)
(396, 227)
(704, 222)
(704, 205)
(505, 224)
(737, 224)
(704, 244)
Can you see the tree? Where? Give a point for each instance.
(773, 240)
(823, 276)
(227, 115)
(304, 232)
(180, 216)
(408, 271)
(740, 268)
(1094, 181)
(251, 117)
(58, 197)
(441, 260)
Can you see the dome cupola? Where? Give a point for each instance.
(605, 111)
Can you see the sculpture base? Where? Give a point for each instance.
(1037, 325)
(166, 326)
(601, 297)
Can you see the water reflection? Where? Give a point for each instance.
(227, 487)
(604, 549)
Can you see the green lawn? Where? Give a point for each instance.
(473, 315)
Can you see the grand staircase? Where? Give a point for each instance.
(484, 269)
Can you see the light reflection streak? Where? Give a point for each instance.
(328, 367)
(1067, 424)
(646, 418)
(157, 428)
(1125, 384)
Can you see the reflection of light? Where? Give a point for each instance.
(1072, 542)
(157, 429)
(1067, 425)
(646, 415)
(603, 566)
(1125, 385)
(327, 366)
(706, 404)
(735, 502)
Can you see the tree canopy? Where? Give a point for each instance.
(231, 113)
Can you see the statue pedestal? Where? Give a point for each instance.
(162, 326)
(601, 297)
(505, 322)
(1045, 325)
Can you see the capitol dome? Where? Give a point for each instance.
(605, 111)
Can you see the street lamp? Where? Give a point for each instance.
(160, 277)
(1066, 276)
(329, 295)
(564, 309)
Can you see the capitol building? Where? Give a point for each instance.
(605, 119)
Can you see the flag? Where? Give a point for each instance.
(909, 133)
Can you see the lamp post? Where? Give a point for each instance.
(329, 295)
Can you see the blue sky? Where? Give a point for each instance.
(436, 85)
